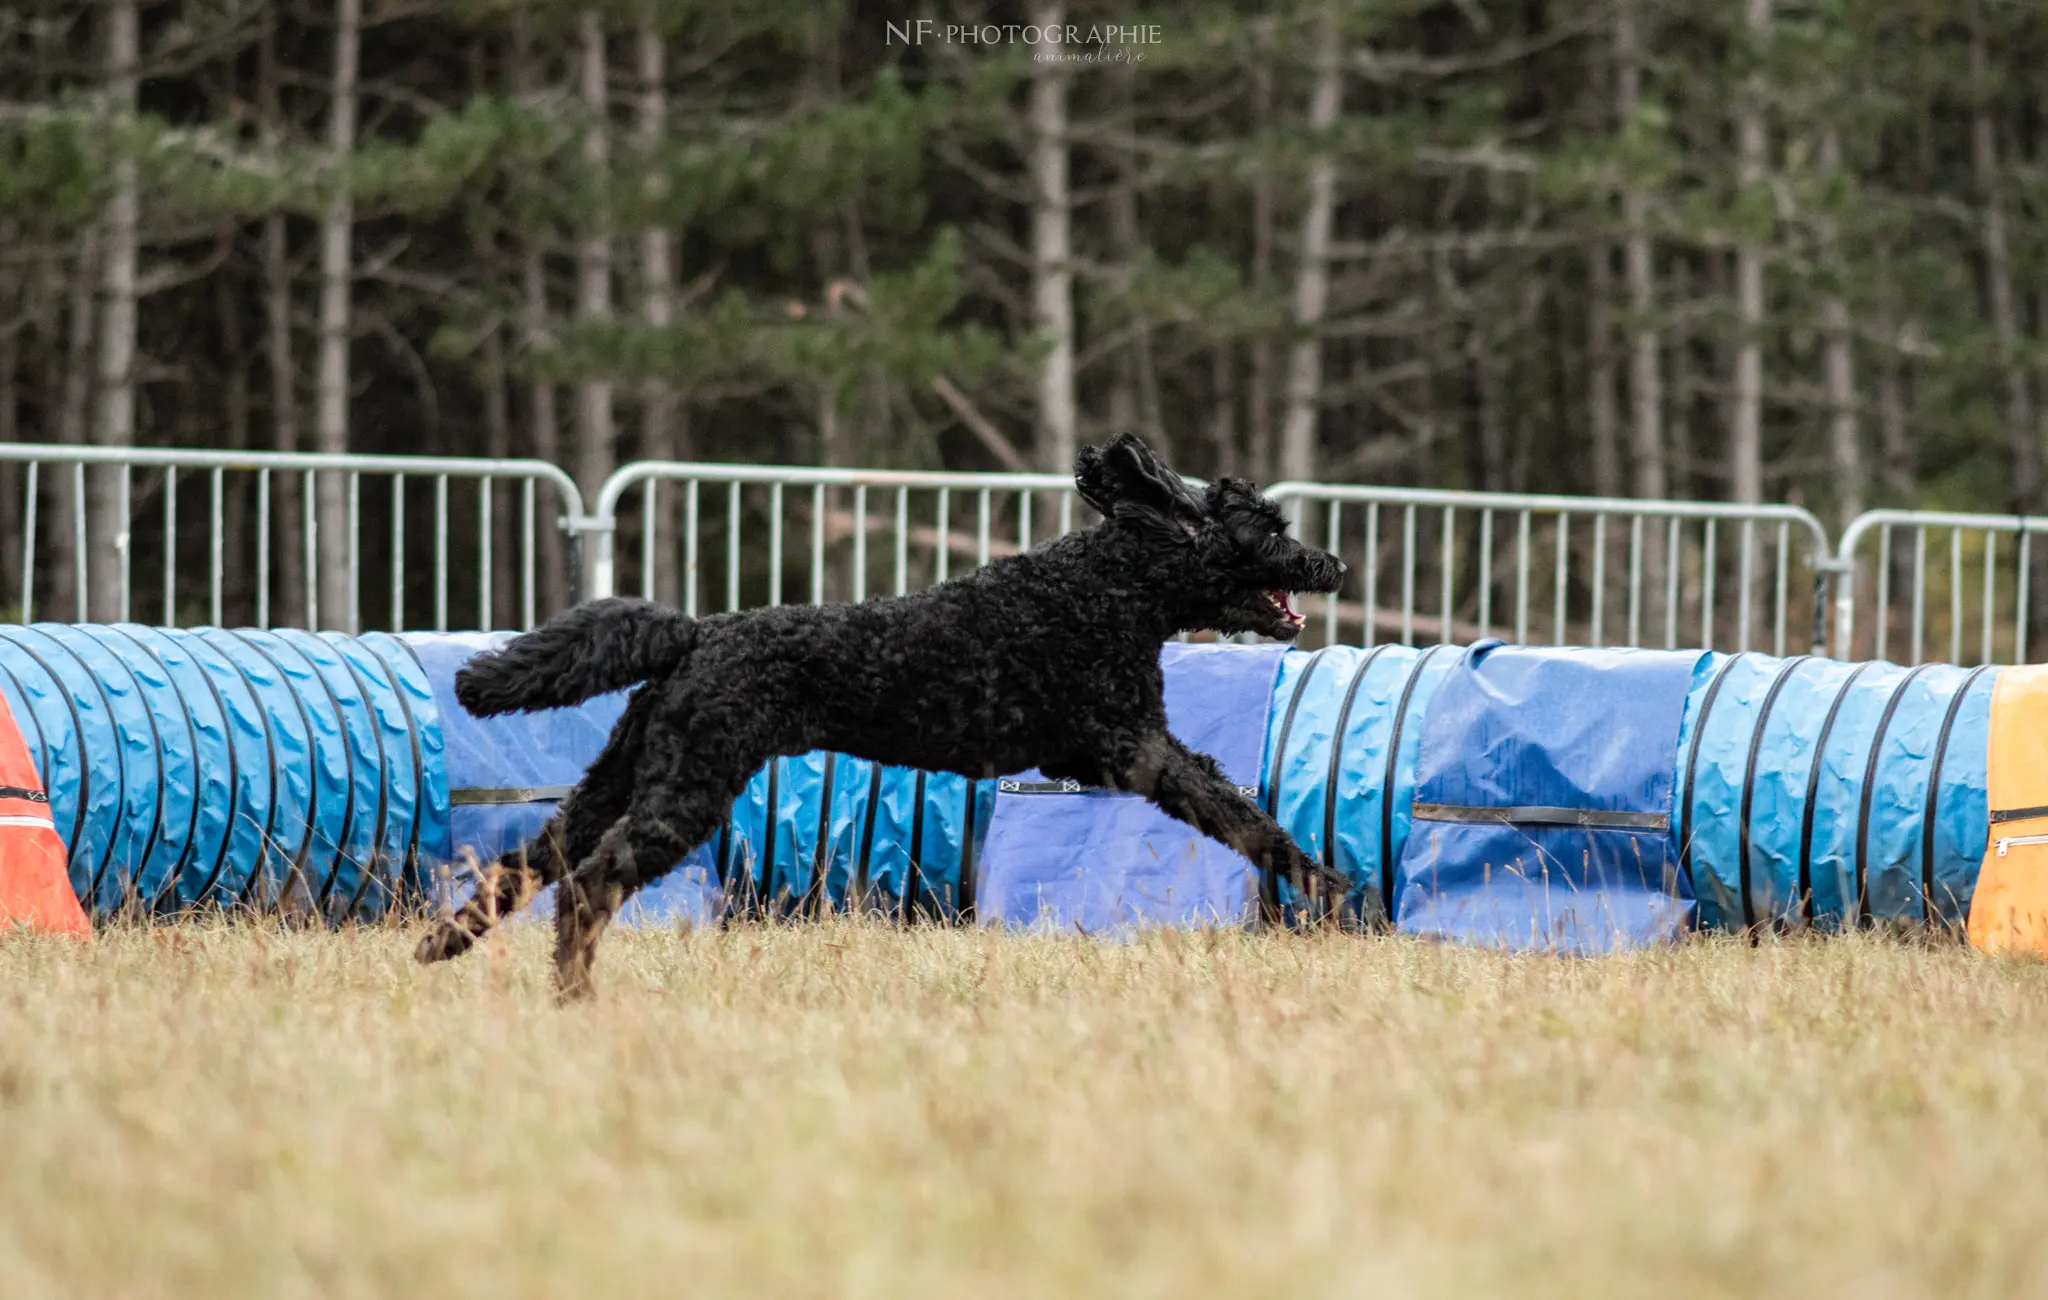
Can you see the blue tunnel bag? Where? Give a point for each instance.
(1543, 793)
(1099, 860)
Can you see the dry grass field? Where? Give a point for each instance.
(848, 1110)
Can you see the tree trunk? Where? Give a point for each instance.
(288, 583)
(2023, 465)
(1897, 456)
(235, 509)
(1492, 442)
(505, 585)
(1645, 376)
(1223, 409)
(1745, 458)
(1681, 452)
(1894, 439)
(544, 436)
(594, 260)
(1052, 274)
(68, 577)
(114, 420)
(1258, 462)
(1600, 407)
(544, 433)
(337, 274)
(658, 423)
(1312, 270)
(11, 540)
(838, 444)
(1838, 363)
(1137, 383)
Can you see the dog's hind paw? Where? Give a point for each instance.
(445, 940)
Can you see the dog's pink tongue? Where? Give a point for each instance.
(1287, 603)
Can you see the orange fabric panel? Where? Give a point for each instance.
(35, 888)
(2009, 911)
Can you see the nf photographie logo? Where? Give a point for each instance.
(1071, 43)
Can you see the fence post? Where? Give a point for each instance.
(1843, 569)
(594, 574)
(1834, 583)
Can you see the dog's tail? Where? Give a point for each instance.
(605, 645)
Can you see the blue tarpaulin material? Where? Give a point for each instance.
(207, 767)
(1103, 861)
(1543, 796)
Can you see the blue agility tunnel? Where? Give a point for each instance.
(1799, 791)
(218, 768)
(1557, 798)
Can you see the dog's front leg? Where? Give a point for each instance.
(1189, 787)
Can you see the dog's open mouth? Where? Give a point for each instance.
(1283, 605)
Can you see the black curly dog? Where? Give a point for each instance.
(1049, 659)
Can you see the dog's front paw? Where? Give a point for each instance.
(1332, 885)
(445, 940)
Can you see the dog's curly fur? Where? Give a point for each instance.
(1048, 659)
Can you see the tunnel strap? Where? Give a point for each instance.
(1595, 818)
(487, 795)
(23, 793)
(1015, 785)
(2008, 814)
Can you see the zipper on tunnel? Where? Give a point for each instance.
(2019, 841)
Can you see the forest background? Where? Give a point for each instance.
(1747, 251)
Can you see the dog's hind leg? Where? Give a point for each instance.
(569, 836)
(1189, 787)
(677, 808)
(639, 848)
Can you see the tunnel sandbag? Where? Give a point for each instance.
(1833, 794)
(2009, 910)
(1344, 728)
(1059, 856)
(217, 767)
(35, 888)
(1542, 806)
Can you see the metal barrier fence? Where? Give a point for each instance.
(115, 533)
(1975, 602)
(678, 531)
(1598, 571)
(362, 542)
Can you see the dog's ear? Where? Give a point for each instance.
(1127, 473)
